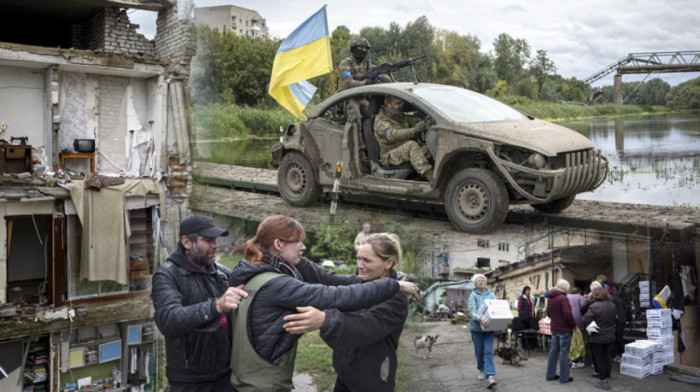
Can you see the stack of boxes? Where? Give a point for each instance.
(645, 293)
(645, 357)
(497, 314)
(659, 330)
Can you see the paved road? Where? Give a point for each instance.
(452, 368)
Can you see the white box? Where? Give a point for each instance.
(643, 283)
(497, 313)
(644, 304)
(666, 340)
(643, 297)
(658, 313)
(659, 332)
(657, 368)
(644, 290)
(669, 358)
(635, 371)
(658, 357)
(638, 361)
(659, 323)
(639, 348)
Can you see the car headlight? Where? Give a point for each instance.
(537, 160)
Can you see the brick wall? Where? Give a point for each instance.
(109, 30)
(176, 39)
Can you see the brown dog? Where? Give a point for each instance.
(511, 355)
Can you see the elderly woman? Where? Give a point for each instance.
(483, 341)
(562, 323)
(603, 312)
(263, 352)
(364, 342)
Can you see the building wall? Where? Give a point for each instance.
(110, 30)
(221, 18)
(176, 39)
(22, 89)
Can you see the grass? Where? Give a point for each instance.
(314, 357)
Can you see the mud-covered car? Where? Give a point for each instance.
(486, 155)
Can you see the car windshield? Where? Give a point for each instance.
(462, 105)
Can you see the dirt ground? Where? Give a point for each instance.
(452, 368)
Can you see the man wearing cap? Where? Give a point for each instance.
(192, 301)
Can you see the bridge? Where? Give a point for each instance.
(650, 62)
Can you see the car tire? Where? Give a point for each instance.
(296, 180)
(476, 201)
(555, 206)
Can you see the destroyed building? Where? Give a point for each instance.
(94, 179)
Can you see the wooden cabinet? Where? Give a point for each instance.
(15, 158)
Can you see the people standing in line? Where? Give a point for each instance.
(603, 312)
(525, 308)
(192, 298)
(562, 323)
(362, 236)
(619, 326)
(364, 342)
(483, 340)
(577, 349)
(263, 353)
(603, 280)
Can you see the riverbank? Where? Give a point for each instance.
(221, 120)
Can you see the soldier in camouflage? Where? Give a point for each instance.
(395, 137)
(356, 65)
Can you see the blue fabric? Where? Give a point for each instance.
(560, 345)
(475, 300)
(379, 77)
(483, 349)
(303, 91)
(314, 28)
(346, 73)
(385, 132)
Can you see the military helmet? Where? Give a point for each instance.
(360, 42)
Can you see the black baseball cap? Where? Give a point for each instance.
(201, 225)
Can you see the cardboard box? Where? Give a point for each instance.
(637, 361)
(659, 323)
(658, 313)
(497, 313)
(643, 297)
(659, 332)
(657, 368)
(669, 358)
(640, 348)
(644, 304)
(666, 340)
(635, 371)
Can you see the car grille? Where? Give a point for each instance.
(583, 171)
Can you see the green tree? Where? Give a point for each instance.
(483, 77)
(510, 58)
(455, 55)
(541, 67)
(685, 96)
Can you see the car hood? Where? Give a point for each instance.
(535, 135)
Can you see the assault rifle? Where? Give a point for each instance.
(386, 68)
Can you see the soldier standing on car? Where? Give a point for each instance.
(395, 137)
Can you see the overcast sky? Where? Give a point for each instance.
(581, 37)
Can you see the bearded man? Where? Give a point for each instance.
(192, 302)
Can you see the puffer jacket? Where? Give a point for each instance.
(476, 298)
(605, 315)
(281, 296)
(197, 337)
(559, 311)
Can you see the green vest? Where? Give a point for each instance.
(250, 371)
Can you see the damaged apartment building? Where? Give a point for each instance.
(94, 177)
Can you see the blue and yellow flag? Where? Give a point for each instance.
(304, 54)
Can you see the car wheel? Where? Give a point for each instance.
(476, 201)
(555, 206)
(296, 181)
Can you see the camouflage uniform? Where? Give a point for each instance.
(395, 135)
(347, 68)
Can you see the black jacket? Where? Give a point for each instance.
(361, 340)
(604, 314)
(281, 296)
(197, 337)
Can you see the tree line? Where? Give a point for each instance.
(236, 69)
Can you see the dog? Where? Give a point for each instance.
(511, 355)
(425, 343)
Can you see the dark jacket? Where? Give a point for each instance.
(197, 337)
(524, 307)
(363, 341)
(559, 312)
(281, 296)
(620, 309)
(604, 314)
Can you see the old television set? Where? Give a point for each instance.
(84, 145)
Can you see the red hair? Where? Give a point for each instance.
(275, 227)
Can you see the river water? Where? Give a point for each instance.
(654, 159)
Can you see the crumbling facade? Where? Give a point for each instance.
(94, 178)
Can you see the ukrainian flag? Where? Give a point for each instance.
(304, 54)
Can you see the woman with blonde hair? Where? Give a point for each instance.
(364, 342)
(562, 323)
(263, 352)
(483, 340)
